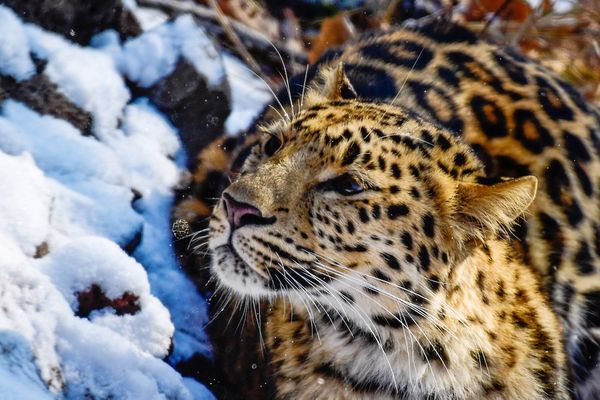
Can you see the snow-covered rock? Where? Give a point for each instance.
(92, 300)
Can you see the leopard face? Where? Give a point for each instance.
(348, 201)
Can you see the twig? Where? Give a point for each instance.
(502, 7)
(237, 43)
(250, 38)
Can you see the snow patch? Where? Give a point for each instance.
(25, 202)
(249, 95)
(14, 50)
(153, 55)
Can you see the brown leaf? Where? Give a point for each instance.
(514, 10)
(334, 32)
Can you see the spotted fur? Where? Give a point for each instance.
(399, 237)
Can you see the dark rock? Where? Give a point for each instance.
(75, 19)
(198, 112)
(43, 96)
(94, 298)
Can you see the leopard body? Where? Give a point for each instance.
(428, 224)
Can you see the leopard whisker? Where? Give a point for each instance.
(287, 79)
(303, 88)
(270, 90)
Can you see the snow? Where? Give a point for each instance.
(153, 55)
(25, 222)
(18, 373)
(81, 81)
(73, 201)
(148, 18)
(77, 198)
(249, 95)
(14, 51)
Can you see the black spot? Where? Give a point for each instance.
(352, 153)
(530, 131)
(429, 225)
(397, 210)
(414, 192)
(381, 163)
(407, 240)
(391, 261)
(408, 54)
(396, 171)
(552, 234)
(508, 166)
(347, 297)
(583, 260)
(422, 93)
(513, 70)
(479, 358)
(460, 159)
(434, 351)
(434, 283)
(559, 189)
(470, 68)
(443, 142)
(597, 239)
(350, 227)
(446, 33)
(377, 273)
(448, 76)
(414, 171)
(552, 102)
(363, 215)
(424, 260)
(391, 321)
(576, 148)
(394, 189)
(371, 83)
(491, 118)
(376, 211)
(584, 180)
(365, 134)
(366, 157)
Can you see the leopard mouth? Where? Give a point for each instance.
(272, 278)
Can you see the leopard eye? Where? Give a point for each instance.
(272, 145)
(345, 184)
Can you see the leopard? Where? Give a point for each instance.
(419, 220)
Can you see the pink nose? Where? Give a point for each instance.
(239, 213)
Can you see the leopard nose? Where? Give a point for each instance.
(240, 214)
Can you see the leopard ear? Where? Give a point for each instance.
(338, 86)
(335, 85)
(483, 210)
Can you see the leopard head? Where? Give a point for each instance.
(351, 200)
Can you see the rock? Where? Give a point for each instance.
(199, 112)
(43, 96)
(77, 20)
